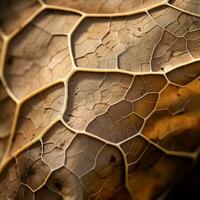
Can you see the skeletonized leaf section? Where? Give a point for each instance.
(15, 13)
(119, 42)
(179, 43)
(152, 168)
(91, 94)
(39, 54)
(105, 7)
(112, 106)
(37, 114)
(7, 111)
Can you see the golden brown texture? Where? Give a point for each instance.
(98, 99)
(103, 7)
(7, 109)
(14, 13)
(116, 42)
(39, 55)
(187, 5)
(36, 114)
(175, 46)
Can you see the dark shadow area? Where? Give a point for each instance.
(189, 188)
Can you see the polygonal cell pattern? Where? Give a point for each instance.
(98, 100)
